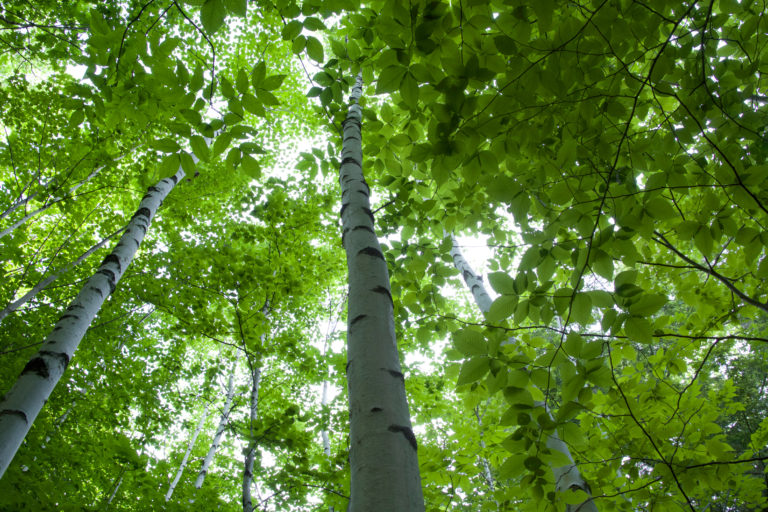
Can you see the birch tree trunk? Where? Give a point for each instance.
(184, 460)
(220, 429)
(566, 477)
(250, 454)
(23, 402)
(384, 467)
(43, 283)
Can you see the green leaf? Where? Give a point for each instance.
(315, 49)
(473, 370)
(502, 283)
(252, 105)
(272, 82)
(390, 79)
(581, 308)
(505, 45)
(648, 304)
(470, 342)
(299, 44)
(291, 30)
(187, 163)
(212, 14)
(512, 467)
(238, 7)
(242, 81)
(502, 308)
(222, 143)
(200, 148)
(409, 91)
(250, 166)
(166, 145)
(639, 329)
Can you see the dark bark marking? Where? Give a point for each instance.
(370, 214)
(395, 374)
(382, 290)
(153, 189)
(75, 306)
(376, 409)
(38, 366)
(101, 294)
(350, 120)
(351, 160)
(110, 278)
(61, 357)
(344, 235)
(143, 212)
(143, 228)
(174, 179)
(365, 228)
(371, 251)
(69, 316)
(346, 368)
(16, 412)
(364, 192)
(467, 275)
(357, 319)
(112, 258)
(407, 432)
(343, 207)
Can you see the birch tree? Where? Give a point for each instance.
(23, 402)
(567, 477)
(190, 446)
(383, 462)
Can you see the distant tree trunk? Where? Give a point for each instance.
(566, 477)
(384, 467)
(47, 204)
(250, 453)
(220, 429)
(23, 402)
(184, 460)
(43, 283)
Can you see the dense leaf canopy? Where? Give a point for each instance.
(611, 155)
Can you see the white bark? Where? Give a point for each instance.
(250, 453)
(43, 283)
(184, 460)
(566, 477)
(23, 402)
(324, 432)
(384, 467)
(223, 420)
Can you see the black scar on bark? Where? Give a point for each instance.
(346, 368)
(467, 275)
(112, 258)
(153, 189)
(357, 319)
(101, 294)
(371, 251)
(382, 290)
(370, 214)
(364, 192)
(61, 357)
(395, 374)
(344, 235)
(38, 366)
(69, 316)
(16, 412)
(351, 160)
(75, 306)
(376, 409)
(144, 212)
(353, 136)
(407, 432)
(174, 179)
(365, 228)
(343, 207)
(143, 228)
(110, 278)
(350, 120)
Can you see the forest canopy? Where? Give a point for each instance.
(216, 217)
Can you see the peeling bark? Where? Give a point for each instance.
(384, 465)
(566, 477)
(23, 402)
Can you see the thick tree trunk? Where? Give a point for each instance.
(43, 283)
(566, 477)
(23, 402)
(250, 454)
(384, 465)
(223, 420)
(184, 460)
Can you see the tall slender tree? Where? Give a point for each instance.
(382, 454)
